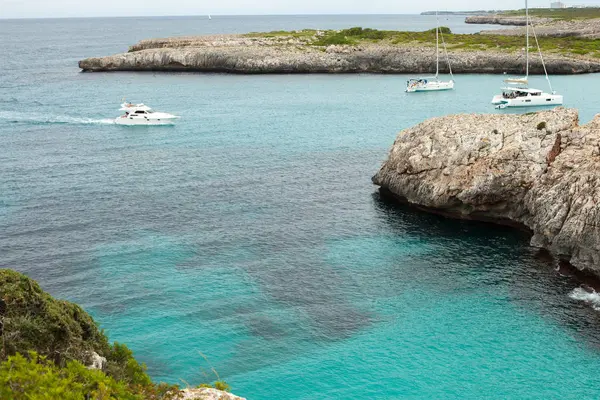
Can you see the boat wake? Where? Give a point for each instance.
(588, 295)
(41, 119)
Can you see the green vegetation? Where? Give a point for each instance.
(467, 42)
(541, 125)
(558, 13)
(46, 344)
(36, 377)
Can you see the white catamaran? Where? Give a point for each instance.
(519, 94)
(433, 83)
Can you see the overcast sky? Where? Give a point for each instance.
(83, 8)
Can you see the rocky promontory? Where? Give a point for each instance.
(316, 52)
(535, 171)
(498, 19)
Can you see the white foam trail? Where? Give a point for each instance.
(33, 118)
(592, 298)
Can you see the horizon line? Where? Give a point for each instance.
(232, 15)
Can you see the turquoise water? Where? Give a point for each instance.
(250, 233)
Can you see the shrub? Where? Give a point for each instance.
(222, 385)
(541, 125)
(36, 377)
(443, 29)
(59, 336)
(33, 320)
(332, 39)
(366, 33)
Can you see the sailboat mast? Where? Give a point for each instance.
(527, 40)
(437, 45)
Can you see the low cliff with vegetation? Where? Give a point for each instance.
(353, 50)
(52, 349)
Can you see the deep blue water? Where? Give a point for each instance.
(250, 233)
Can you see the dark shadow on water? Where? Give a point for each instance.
(491, 255)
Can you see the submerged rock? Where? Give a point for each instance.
(536, 171)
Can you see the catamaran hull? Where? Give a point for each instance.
(431, 87)
(528, 101)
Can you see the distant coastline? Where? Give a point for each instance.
(480, 12)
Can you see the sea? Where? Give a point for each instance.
(247, 242)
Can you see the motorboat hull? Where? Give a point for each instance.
(431, 86)
(544, 99)
(144, 121)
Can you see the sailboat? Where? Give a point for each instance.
(433, 83)
(519, 94)
(209, 17)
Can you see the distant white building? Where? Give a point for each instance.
(558, 4)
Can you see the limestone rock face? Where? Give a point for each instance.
(96, 361)
(207, 394)
(538, 171)
(255, 55)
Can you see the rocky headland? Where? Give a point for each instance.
(544, 27)
(336, 52)
(499, 19)
(538, 172)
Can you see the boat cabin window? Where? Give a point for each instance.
(140, 112)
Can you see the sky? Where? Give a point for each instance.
(79, 8)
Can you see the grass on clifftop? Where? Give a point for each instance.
(468, 42)
(558, 13)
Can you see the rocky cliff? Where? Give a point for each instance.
(589, 29)
(495, 19)
(536, 171)
(242, 54)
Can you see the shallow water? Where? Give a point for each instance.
(250, 233)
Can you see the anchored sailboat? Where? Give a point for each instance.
(519, 94)
(433, 83)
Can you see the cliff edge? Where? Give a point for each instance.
(536, 171)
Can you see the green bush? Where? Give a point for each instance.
(36, 377)
(443, 29)
(541, 125)
(366, 33)
(33, 320)
(222, 385)
(332, 39)
(59, 336)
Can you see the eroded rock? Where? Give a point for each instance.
(537, 171)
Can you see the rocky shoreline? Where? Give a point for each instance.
(544, 27)
(268, 55)
(534, 171)
(495, 19)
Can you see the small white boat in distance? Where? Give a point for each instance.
(428, 84)
(141, 114)
(433, 83)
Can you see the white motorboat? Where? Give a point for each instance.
(519, 94)
(141, 114)
(433, 83)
